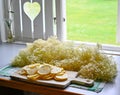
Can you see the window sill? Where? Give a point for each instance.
(106, 48)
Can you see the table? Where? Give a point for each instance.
(9, 51)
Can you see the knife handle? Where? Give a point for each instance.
(82, 81)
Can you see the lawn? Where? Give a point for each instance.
(92, 20)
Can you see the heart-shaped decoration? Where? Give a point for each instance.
(32, 9)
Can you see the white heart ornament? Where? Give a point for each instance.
(32, 10)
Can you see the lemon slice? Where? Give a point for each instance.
(25, 68)
(61, 78)
(56, 70)
(22, 72)
(61, 73)
(33, 77)
(44, 69)
(31, 71)
(34, 65)
(47, 77)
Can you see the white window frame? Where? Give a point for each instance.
(61, 19)
(118, 23)
(61, 26)
(2, 25)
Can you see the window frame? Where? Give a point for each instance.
(109, 49)
(118, 24)
(2, 25)
(61, 26)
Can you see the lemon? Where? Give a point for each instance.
(56, 70)
(44, 69)
(61, 77)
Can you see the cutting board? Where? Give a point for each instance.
(60, 84)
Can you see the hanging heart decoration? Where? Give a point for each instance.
(32, 10)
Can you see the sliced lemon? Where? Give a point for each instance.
(22, 72)
(61, 78)
(31, 71)
(34, 65)
(47, 77)
(33, 77)
(56, 70)
(61, 73)
(44, 69)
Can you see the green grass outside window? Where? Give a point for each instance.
(92, 20)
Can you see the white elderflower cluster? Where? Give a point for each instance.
(88, 61)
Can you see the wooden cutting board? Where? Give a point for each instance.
(60, 84)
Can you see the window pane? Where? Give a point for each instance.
(92, 20)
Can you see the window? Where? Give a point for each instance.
(92, 20)
(78, 27)
(52, 15)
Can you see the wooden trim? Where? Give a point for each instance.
(7, 82)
